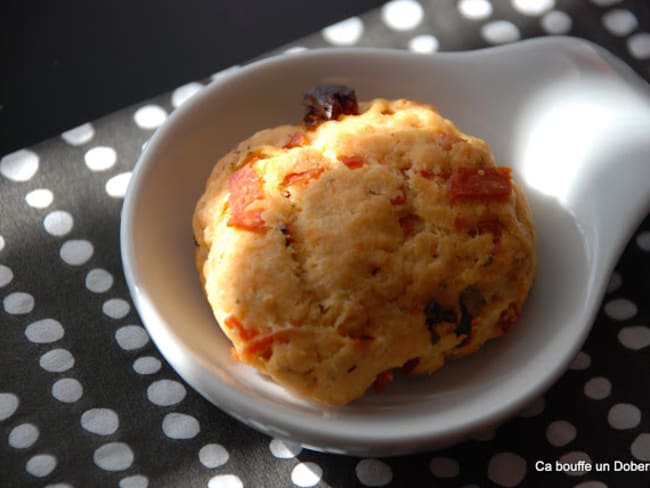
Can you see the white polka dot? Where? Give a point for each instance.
(620, 309)
(146, 365)
(507, 469)
(6, 275)
(18, 303)
(500, 32)
(306, 474)
(44, 331)
(23, 436)
(424, 44)
(183, 93)
(149, 116)
(598, 388)
(444, 467)
(213, 455)
(225, 481)
(100, 421)
(581, 361)
(643, 240)
(533, 7)
(624, 416)
(402, 15)
(180, 426)
(100, 158)
(79, 135)
(41, 465)
(114, 456)
(373, 472)
(640, 447)
(557, 22)
(166, 392)
(99, 280)
(639, 45)
(8, 405)
(135, 481)
(67, 390)
(116, 308)
(344, 33)
(620, 22)
(20, 165)
(284, 449)
(635, 337)
(534, 408)
(39, 198)
(56, 360)
(131, 337)
(475, 9)
(2, 243)
(117, 186)
(605, 3)
(76, 252)
(573, 460)
(58, 223)
(560, 432)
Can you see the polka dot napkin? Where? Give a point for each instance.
(87, 400)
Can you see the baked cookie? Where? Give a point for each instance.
(337, 251)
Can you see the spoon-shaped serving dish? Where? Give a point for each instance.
(572, 121)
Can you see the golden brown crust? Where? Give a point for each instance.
(362, 262)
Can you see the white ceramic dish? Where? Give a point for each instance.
(571, 120)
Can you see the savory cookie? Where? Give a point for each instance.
(336, 251)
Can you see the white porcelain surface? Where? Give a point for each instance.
(573, 122)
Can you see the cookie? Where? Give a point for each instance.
(381, 239)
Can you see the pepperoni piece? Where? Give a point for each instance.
(297, 139)
(303, 176)
(471, 183)
(352, 162)
(245, 187)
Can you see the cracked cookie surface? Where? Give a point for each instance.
(386, 240)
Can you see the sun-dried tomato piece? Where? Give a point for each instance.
(328, 102)
(434, 313)
(468, 183)
(399, 199)
(382, 380)
(245, 187)
(303, 176)
(234, 324)
(508, 318)
(262, 345)
(409, 366)
(352, 162)
(409, 224)
(297, 139)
